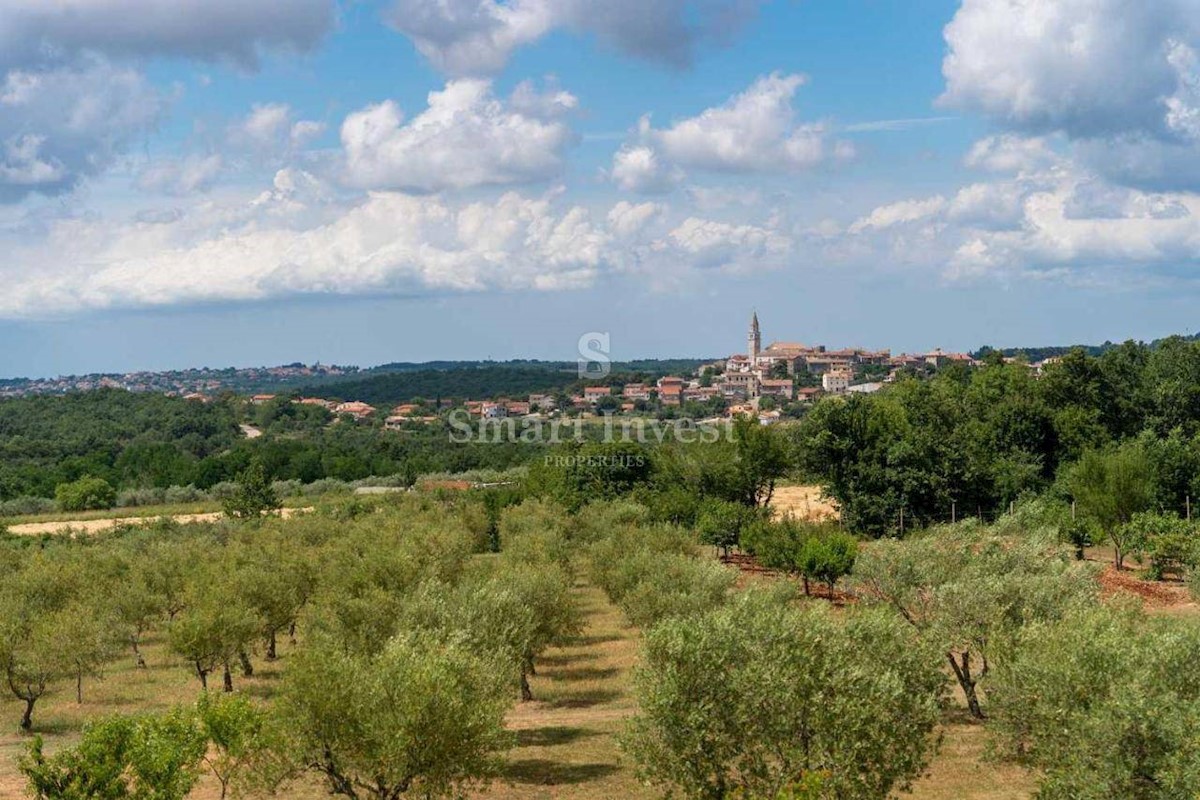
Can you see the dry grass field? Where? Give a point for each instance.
(804, 503)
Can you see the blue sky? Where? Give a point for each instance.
(237, 182)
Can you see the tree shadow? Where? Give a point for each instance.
(587, 699)
(584, 673)
(588, 641)
(564, 659)
(551, 736)
(543, 772)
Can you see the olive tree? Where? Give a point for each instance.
(1103, 703)
(421, 718)
(963, 588)
(214, 631)
(759, 699)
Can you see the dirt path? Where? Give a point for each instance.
(98, 525)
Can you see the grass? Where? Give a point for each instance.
(161, 510)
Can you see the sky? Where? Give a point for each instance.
(244, 182)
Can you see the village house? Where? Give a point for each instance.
(776, 388)
(260, 399)
(636, 391)
(593, 394)
(837, 381)
(354, 408)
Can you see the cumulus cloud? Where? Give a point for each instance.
(303, 237)
(477, 37)
(755, 131)
(60, 125)
(273, 127)
(1109, 75)
(38, 31)
(638, 168)
(466, 137)
(1065, 222)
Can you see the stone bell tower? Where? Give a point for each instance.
(754, 341)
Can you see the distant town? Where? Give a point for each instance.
(771, 382)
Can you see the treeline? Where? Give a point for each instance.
(124, 437)
(141, 442)
(970, 442)
(401, 383)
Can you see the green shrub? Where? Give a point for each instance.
(89, 493)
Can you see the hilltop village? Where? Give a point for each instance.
(771, 382)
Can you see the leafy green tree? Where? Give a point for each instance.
(826, 557)
(721, 522)
(254, 495)
(236, 732)
(1109, 487)
(121, 758)
(1102, 703)
(422, 718)
(215, 630)
(964, 589)
(759, 699)
(86, 494)
(87, 632)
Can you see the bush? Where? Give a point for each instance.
(184, 494)
(650, 587)
(133, 498)
(291, 488)
(22, 506)
(1166, 541)
(86, 494)
(759, 699)
(325, 486)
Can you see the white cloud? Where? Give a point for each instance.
(899, 213)
(44, 31)
(302, 237)
(272, 128)
(477, 37)
(1113, 76)
(60, 125)
(466, 137)
(628, 219)
(755, 131)
(1065, 222)
(181, 176)
(1010, 153)
(1086, 67)
(638, 168)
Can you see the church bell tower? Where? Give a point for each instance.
(754, 340)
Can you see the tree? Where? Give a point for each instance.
(235, 729)
(720, 523)
(121, 758)
(87, 633)
(1109, 487)
(86, 494)
(826, 557)
(757, 698)
(214, 630)
(1102, 703)
(964, 589)
(254, 495)
(421, 718)
(31, 656)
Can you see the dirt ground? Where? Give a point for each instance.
(86, 526)
(803, 503)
